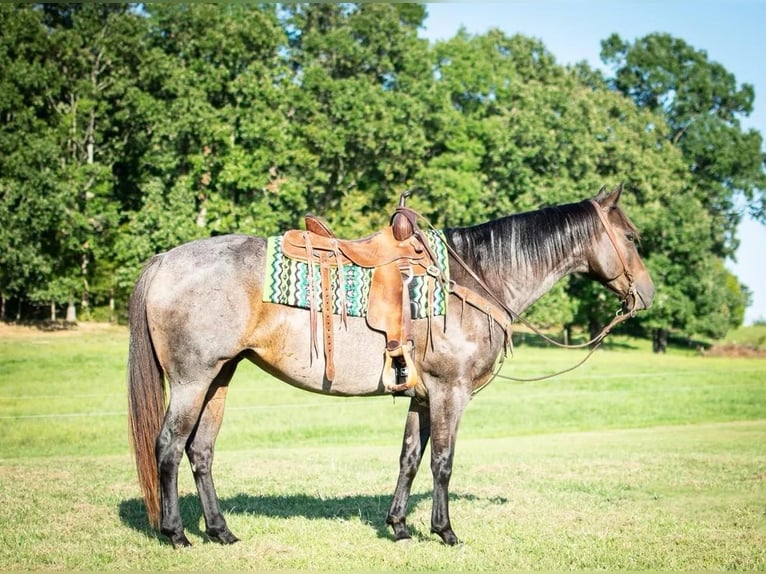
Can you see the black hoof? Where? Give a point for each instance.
(401, 532)
(180, 541)
(448, 537)
(222, 536)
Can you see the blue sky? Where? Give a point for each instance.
(732, 32)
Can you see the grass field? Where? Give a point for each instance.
(634, 461)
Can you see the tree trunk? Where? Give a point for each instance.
(53, 311)
(71, 312)
(659, 340)
(85, 299)
(594, 329)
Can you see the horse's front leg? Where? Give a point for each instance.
(446, 411)
(417, 429)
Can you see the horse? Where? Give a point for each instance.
(196, 311)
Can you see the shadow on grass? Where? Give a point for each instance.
(370, 509)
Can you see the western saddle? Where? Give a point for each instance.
(395, 254)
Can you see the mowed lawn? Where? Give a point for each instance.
(634, 461)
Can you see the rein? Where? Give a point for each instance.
(490, 308)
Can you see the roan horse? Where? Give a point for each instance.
(196, 312)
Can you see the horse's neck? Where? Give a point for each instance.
(519, 266)
(521, 290)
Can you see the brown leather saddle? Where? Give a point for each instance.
(395, 254)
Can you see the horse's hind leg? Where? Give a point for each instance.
(200, 448)
(183, 413)
(416, 432)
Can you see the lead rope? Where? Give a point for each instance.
(619, 318)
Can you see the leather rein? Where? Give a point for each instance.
(490, 308)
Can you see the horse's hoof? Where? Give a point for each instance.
(401, 532)
(448, 537)
(223, 537)
(180, 541)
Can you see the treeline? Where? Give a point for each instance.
(128, 129)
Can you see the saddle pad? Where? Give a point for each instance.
(286, 281)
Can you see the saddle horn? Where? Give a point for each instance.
(404, 219)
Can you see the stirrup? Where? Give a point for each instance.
(395, 349)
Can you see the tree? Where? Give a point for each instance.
(89, 49)
(358, 106)
(519, 132)
(702, 104)
(212, 98)
(130, 129)
(29, 161)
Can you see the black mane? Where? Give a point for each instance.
(525, 241)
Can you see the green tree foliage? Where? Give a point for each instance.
(129, 129)
(63, 92)
(29, 158)
(701, 104)
(93, 47)
(519, 132)
(214, 132)
(361, 77)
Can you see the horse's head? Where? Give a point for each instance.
(613, 259)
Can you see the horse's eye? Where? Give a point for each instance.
(631, 237)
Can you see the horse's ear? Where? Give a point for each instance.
(607, 200)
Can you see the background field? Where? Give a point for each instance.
(634, 461)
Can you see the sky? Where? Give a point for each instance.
(732, 32)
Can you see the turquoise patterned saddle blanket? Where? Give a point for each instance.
(287, 282)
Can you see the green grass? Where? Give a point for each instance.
(633, 461)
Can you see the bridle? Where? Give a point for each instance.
(625, 271)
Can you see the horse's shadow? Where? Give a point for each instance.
(368, 508)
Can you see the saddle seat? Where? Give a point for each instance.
(395, 254)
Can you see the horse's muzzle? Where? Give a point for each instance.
(641, 295)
